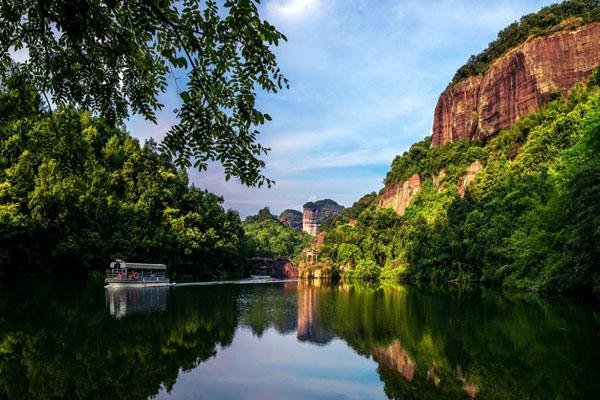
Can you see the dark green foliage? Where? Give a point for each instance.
(326, 209)
(528, 220)
(594, 80)
(325, 204)
(536, 24)
(263, 215)
(76, 193)
(270, 238)
(114, 57)
(351, 213)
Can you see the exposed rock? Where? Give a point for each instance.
(398, 196)
(291, 218)
(439, 179)
(468, 177)
(314, 214)
(284, 269)
(309, 221)
(455, 115)
(515, 84)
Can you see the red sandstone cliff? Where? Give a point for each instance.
(398, 196)
(516, 83)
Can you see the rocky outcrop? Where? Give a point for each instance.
(515, 84)
(284, 269)
(291, 218)
(314, 214)
(468, 177)
(309, 221)
(398, 195)
(455, 115)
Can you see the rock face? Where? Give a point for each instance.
(316, 213)
(284, 269)
(515, 84)
(398, 196)
(468, 177)
(291, 218)
(309, 221)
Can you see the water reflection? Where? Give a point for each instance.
(289, 340)
(122, 301)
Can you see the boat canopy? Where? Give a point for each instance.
(129, 265)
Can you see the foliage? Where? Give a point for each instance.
(594, 79)
(425, 160)
(76, 193)
(540, 23)
(528, 220)
(263, 215)
(114, 57)
(366, 270)
(270, 238)
(351, 214)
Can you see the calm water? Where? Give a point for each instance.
(293, 341)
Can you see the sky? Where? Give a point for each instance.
(365, 76)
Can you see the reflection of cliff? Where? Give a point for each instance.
(308, 327)
(396, 358)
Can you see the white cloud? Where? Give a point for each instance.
(292, 9)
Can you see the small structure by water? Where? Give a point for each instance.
(127, 274)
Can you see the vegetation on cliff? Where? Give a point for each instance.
(529, 219)
(543, 22)
(271, 238)
(76, 192)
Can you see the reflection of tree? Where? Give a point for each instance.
(56, 342)
(263, 306)
(478, 344)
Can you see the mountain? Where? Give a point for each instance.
(291, 218)
(318, 212)
(518, 82)
(507, 190)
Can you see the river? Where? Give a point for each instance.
(293, 340)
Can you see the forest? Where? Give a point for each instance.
(77, 192)
(529, 220)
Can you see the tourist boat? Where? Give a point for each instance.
(127, 274)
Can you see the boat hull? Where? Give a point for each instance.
(116, 283)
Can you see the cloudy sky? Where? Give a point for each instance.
(364, 79)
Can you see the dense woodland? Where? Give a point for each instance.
(529, 220)
(76, 192)
(543, 22)
(268, 237)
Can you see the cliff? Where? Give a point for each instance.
(398, 195)
(520, 81)
(314, 214)
(291, 218)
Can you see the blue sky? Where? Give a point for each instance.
(364, 79)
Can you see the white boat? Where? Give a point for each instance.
(127, 274)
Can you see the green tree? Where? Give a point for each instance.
(114, 57)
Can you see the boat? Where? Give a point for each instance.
(128, 274)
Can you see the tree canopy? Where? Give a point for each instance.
(76, 192)
(114, 57)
